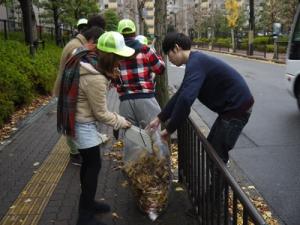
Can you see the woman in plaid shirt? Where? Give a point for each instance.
(136, 86)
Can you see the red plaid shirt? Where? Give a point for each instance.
(136, 73)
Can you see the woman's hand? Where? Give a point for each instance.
(127, 124)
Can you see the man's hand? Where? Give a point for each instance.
(165, 135)
(153, 125)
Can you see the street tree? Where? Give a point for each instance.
(287, 12)
(111, 19)
(140, 8)
(232, 8)
(160, 29)
(73, 10)
(53, 10)
(221, 28)
(269, 13)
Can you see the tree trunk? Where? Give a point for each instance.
(140, 7)
(29, 26)
(56, 26)
(232, 40)
(160, 29)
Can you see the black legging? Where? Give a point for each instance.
(90, 168)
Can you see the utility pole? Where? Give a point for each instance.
(251, 27)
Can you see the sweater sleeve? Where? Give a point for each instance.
(186, 96)
(96, 90)
(156, 62)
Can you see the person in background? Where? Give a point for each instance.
(136, 85)
(82, 24)
(142, 39)
(82, 103)
(216, 85)
(81, 39)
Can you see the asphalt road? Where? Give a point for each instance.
(268, 151)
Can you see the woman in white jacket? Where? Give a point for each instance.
(82, 103)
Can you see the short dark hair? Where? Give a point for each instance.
(173, 38)
(93, 33)
(82, 27)
(129, 35)
(97, 20)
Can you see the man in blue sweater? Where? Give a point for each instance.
(216, 85)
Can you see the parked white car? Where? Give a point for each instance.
(293, 59)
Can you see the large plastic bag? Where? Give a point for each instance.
(148, 173)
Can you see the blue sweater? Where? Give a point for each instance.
(217, 86)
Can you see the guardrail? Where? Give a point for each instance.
(260, 50)
(10, 26)
(216, 197)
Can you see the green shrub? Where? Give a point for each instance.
(202, 40)
(223, 42)
(45, 65)
(23, 77)
(15, 86)
(6, 109)
(263, 40)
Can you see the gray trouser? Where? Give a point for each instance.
(140, 112)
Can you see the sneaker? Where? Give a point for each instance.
(101, 207)
(75, 159)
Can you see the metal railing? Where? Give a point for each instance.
(260, 51)
(9, 27)
(216, 197)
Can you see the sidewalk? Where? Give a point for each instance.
(40, 186)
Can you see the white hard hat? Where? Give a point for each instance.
(82, 21)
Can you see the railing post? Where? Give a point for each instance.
(5, 30)
(179, 133)
(275, 56)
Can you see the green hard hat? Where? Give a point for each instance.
(113, 42)
(126, 26)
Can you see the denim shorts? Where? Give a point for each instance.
(87, 135)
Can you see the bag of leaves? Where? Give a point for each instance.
(147, 168)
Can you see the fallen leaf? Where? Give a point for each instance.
(36, 164)
(124, 183)
(28, 200)
(115, 215)
(179, 189)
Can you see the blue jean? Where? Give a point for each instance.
(225, 132)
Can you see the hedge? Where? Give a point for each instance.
(259, 43)
(22, 77)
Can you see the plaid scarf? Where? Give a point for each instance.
(67, 100)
